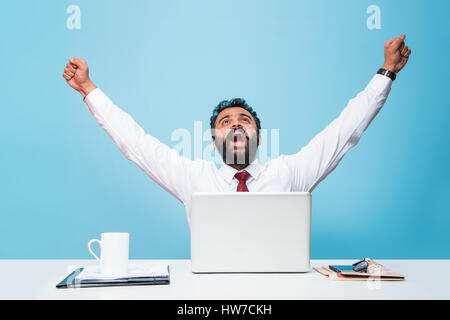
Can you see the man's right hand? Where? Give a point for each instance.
(76, 74)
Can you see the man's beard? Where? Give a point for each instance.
(238, 148)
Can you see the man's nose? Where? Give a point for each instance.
(235, 124)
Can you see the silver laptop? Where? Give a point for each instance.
(250, 232)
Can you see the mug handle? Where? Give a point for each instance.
(90, 250)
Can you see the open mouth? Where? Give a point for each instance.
(238, 138)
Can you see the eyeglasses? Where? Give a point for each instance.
(361, 266)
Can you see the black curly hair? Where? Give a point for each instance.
(236, 102)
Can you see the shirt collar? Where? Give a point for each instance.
(228, 172)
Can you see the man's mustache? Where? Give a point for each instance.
(233, 155)
(233, 132)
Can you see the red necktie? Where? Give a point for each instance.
(242, 177)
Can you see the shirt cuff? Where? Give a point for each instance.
(95, 100)
(91, 96)
(380, 84)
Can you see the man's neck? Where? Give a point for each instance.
(239, 167)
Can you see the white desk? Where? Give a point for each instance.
(36, 279)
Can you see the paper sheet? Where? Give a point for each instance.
(134, 271)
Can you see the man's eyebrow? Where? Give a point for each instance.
(227, 116)
(245, 115)
(241, 114)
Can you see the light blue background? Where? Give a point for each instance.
(168, 63)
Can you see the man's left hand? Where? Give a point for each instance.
(396, 54)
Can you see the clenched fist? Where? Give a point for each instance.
(76, 74)
(396, 54)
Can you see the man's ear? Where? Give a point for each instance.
(259, 139)
(214, 144)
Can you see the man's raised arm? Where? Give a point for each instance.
(158, 161)
(323, 153)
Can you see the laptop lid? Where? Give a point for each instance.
(250, 232)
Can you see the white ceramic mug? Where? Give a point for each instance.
(114, 247)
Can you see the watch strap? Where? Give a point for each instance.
(387, 73)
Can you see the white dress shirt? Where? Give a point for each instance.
(300, 172)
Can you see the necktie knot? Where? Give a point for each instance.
(242, 178)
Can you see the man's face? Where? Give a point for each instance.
(236, 136)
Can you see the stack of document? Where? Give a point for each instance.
(374, 271)
(135, 271)
(137, 274)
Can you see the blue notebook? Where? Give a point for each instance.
(75, 280)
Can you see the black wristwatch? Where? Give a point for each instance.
(387, 73)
